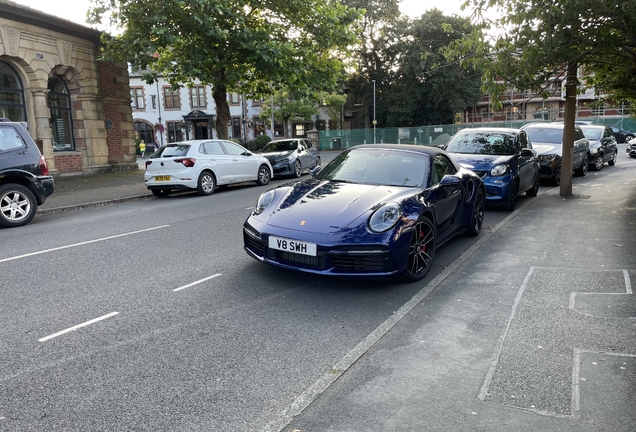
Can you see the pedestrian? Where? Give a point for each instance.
(156, 145)
(142, 149)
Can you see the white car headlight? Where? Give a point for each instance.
(385, 217)
(499, 170)
(593, 151)
(263, 201)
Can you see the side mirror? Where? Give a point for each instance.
(526, 152)
(449, 180)
(315, 170)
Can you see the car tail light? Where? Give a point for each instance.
(44, 168)
(148, 163)
(187, 162)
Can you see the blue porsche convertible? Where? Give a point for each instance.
(375, 211)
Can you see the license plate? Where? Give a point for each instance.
(295, 246)
(162, 178)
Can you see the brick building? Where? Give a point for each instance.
(76, 107)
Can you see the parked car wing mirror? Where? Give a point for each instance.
(315, 170)
(449, 180)
(526, 152)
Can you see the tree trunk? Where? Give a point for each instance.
(223, 117)
(568, 130)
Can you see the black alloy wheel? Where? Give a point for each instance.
(511, 202)
(17, 205)
(264, 176)
(599, 162)
(206, 183)
(422, 251)
(628, 138)
(477, 218)
(582, 170)
(532, 192)
(612, 161)
(556, 179)
(297, 169)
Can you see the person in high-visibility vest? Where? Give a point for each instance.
(142, 149)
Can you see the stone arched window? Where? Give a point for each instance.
(143, 131)
(11, 94)
(61, 118)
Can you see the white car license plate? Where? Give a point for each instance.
(295, 246)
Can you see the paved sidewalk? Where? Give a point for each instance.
(80, 191)
(532, 329)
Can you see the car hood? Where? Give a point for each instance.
(547, 148)
(329, 206)
(277, 155)
(480, 162)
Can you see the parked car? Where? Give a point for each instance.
(291, 156)
(202, 165)
(503, 158)
(547, 140)
(375, 211)
(622, 135)
(25, 182)
(631, 148)
(602, 145)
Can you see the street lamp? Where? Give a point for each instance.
(374, 121)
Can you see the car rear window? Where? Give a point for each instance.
(10, 139)
(172, 150)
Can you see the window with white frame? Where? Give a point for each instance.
(137, 98)
(171, 99)
(197, 97)
(542, 113)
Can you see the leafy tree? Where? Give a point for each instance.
(288, 108)
(531, 42)
(332, 103)
(373, 56)
(238, 46)
(428, 89)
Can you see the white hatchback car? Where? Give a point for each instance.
(202, 165)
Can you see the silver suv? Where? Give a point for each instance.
(291, 156)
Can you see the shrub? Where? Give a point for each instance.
(258, 143)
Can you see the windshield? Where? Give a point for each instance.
(593, 133)
(381, 166)
(488, 143)
(279, 146)
(545, 135)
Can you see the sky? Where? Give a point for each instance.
(77, 12)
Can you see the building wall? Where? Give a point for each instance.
(35, 46)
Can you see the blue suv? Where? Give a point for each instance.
(503, 158)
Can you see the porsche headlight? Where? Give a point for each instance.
(499, 170)
(547, 158)
(385, 217)
(263, 201)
